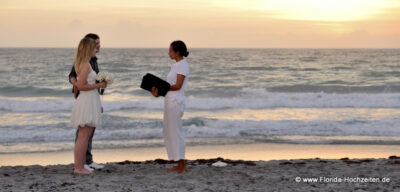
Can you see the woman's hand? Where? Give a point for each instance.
(82, 82)
(154, 91)
(102, 85)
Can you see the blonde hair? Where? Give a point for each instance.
(83, 53)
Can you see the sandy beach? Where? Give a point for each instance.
(279, 167)
(275, 175)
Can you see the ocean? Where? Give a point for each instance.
(296, 96)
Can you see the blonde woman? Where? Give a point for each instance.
(86, 110)
(174, 105)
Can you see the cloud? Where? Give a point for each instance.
(201, 24)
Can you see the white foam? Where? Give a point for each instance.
(237, 128)
(211, 128)
(35, 105)
(249, 98)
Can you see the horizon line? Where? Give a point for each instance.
(33, 47)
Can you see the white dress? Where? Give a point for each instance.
(87, 107)
(174, 106)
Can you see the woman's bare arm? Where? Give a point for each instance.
(179, 82)
(82, 80)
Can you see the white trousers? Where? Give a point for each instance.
(172, 129)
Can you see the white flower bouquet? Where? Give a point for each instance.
(104, 77)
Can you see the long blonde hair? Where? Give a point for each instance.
(83, 53)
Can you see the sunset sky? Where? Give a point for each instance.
(203, 23)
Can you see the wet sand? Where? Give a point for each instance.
(254, 152)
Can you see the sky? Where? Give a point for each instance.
(202, 23)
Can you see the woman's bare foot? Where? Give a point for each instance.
(82, 171)
(172, 169)
(181, 169)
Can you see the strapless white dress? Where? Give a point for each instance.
(87, 107)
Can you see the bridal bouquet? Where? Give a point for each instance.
(104, 77)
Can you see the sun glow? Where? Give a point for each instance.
(203, 23)
(319, 10)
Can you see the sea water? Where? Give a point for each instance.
(304, 96)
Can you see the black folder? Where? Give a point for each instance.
(150, 80)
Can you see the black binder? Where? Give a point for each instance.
(150, 80)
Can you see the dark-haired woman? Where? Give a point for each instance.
(174, 105)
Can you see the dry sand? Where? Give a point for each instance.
(275, 175)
